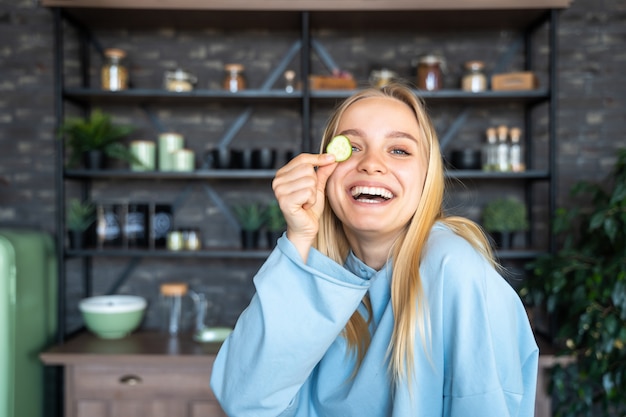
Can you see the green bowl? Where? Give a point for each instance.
(112, 316)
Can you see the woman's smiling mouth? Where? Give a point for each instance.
(371, 194)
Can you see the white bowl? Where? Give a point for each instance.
(112, 316)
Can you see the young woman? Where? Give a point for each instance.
(375, 303)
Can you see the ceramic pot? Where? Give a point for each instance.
(94, 159)
(503, 240)
(76, 239)
(263, 158)
(250, 239)
(242, 159)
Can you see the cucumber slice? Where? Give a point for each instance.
(341, 147)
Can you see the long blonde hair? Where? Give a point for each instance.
(407, 296)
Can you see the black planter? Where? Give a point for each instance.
(242, 159)
(503, 240)
(250, 239)
(272, 236)
(219, 158)
(76, 239)
(94, 159)
(263, 158)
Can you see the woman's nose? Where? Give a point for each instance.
(371, 163)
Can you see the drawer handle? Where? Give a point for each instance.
(130, 380)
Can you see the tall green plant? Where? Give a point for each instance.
(98, 132)
(583, 286)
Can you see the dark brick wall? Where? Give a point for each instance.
(591, 121)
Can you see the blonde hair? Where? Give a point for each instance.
(407, 297)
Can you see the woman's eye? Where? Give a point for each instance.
(399, 151)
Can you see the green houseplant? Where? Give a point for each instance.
(583, 288)
(504, 216)
(275, 222)
(251, 217)
(96, 136)
(80, 216)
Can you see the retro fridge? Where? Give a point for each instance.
(28, 290)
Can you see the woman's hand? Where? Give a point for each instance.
(299, 187)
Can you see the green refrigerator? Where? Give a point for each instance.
(28, 294)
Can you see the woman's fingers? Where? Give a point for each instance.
(299, 188)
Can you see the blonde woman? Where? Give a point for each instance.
(375, 303)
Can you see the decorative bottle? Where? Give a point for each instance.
(516, 152)
(502, 164)
(490, 152)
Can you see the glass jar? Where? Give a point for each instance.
(382, 77)
(179, 81)
(172, 294)
(114, 73)
(474, 79)
(234, 80)
(290, 81)
(430, 73)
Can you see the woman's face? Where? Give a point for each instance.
(377, 190)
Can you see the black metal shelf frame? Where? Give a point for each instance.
(86, 97)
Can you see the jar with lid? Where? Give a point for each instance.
(172, 294)
(179, 80)
(114, 73)
(382, 77)
(474, 79)
(430, 72)
(234, 79)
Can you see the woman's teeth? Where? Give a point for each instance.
(371, 194)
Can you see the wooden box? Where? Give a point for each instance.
(323, 82)
(514, 81)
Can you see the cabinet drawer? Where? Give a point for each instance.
(138, 382)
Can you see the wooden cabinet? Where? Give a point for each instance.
(144, 374)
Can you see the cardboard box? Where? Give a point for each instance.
(514, 81)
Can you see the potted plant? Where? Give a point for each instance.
(502, 218)
(251, 217)
(275, 222)
(582, 287)
(80, 216)
(94, 138)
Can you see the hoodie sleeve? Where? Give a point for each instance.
(295, 315)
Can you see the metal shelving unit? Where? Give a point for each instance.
(526, 20)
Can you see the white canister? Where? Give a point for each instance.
(183, 160)
(168, 143)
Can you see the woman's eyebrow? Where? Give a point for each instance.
(394, 134)
(351, 132)
(399, 134)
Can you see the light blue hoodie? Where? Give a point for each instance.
(286, 356)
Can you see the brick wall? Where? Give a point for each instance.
(591, 120)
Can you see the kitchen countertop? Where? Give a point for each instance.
(137, 348)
